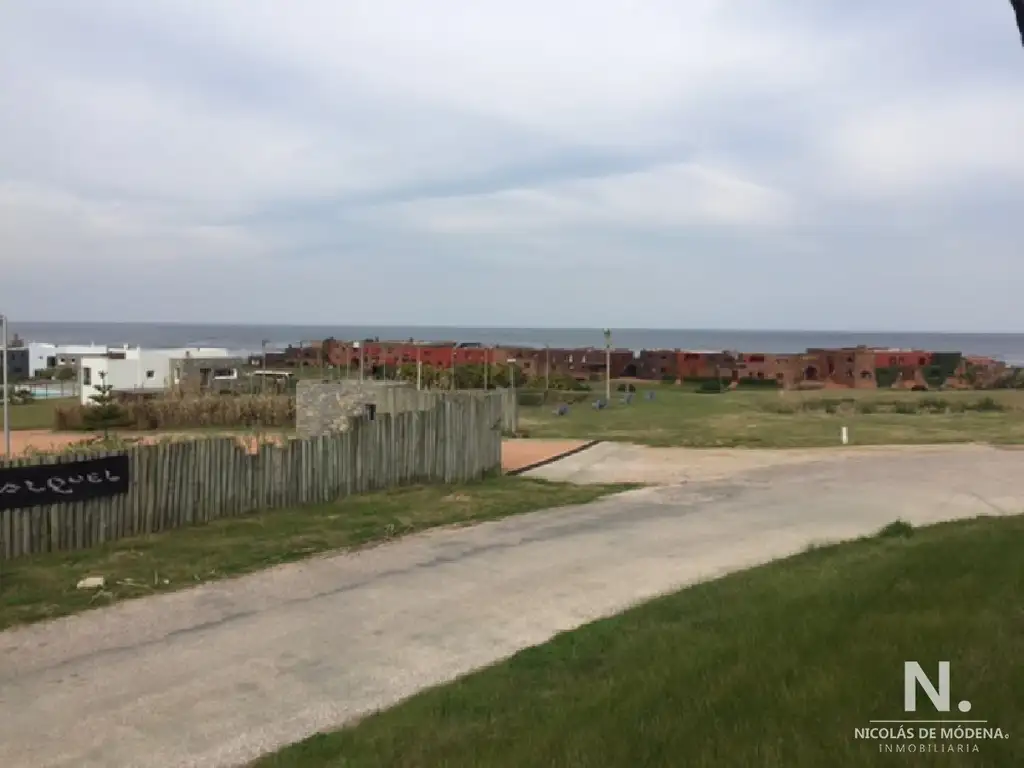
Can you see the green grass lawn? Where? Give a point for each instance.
(774, 667)
(764, 419)
(44, 586)
(38, 414)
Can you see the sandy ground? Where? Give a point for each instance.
(216, 675)
(519, 453)
(514, 453)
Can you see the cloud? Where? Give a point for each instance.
(253, 162)
(670, 197)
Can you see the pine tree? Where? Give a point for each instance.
(104, 411)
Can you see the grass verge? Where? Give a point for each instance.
(772, 667)
(767, 419)
(44, 587)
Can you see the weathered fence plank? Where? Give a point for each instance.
(179, 483)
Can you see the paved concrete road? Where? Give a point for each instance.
(216, 675)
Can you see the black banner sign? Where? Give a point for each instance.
(44, 484)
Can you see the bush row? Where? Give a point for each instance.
(909, 406)
(189, 413)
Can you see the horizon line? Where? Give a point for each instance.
(265, 324)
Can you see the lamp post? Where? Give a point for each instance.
(263, 348)
(419, 367)
(512, 373)
(608, 365)
(7, 394)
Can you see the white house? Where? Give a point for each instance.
(135, 369)
(42, 355)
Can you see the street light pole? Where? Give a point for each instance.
(419, 367)
(263, 378)
(608, 365)
(6, 391)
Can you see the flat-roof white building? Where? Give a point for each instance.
(139, 370)
(42, 355)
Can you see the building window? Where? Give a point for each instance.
(865, 374)
(922, 361)
(87, 376)
(150, 374)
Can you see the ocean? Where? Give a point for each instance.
(244, 339)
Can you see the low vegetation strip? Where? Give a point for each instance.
(781, 666)
(776, 419)
(45, 586)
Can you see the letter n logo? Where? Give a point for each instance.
(913, 676)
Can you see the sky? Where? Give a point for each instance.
(808, 164)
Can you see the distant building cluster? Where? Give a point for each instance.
(131, 369)
(852, 367)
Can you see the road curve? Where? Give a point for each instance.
(217, 675)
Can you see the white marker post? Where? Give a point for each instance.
(845, 436)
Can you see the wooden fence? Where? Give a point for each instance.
(396, 399)
(175, 484)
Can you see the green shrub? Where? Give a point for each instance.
(932, 405)
(904, 407)
(668, 378)
(712, 387)
(944, 364)
(886, 377)
(867, 407)
(18, 396)
(529, 397)
(758, 384)
(987, 404)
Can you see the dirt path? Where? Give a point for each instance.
(217, 675)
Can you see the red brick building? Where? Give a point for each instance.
(853, 367)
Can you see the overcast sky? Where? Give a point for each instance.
(814, 164)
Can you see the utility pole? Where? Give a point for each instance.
(263, 378)
(362, 362)
(487, 366)
(6, 391)
(512, 374)
(608, 365)
(419, 368)
(453, 367)
(547, 367)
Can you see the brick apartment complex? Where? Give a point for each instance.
(852, 367)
